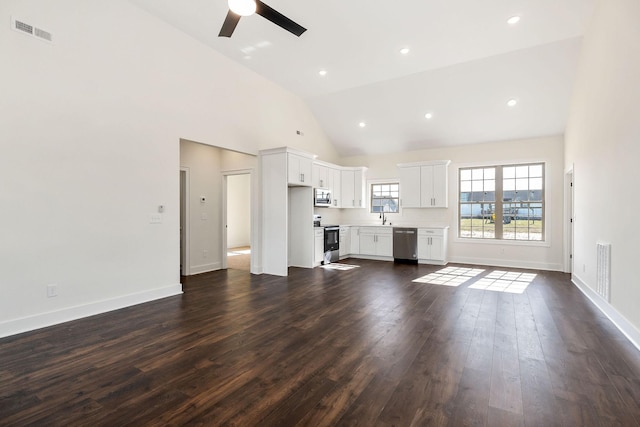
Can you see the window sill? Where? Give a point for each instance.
(530, 243)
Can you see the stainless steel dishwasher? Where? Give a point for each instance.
(405, 244)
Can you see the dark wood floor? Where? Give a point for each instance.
(362, 347)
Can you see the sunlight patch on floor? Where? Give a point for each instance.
(333, 266)
(235, 252)
(505, 281)
(450, 276)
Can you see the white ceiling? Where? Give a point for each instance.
(465, 63)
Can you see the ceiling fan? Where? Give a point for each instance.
(239, 8)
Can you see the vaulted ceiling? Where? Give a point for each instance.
(465, 62)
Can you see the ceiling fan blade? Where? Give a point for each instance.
(279, 19)
(230, 23)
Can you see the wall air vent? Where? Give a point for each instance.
(24, 28)
(603, 270)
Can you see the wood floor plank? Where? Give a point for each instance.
(500, 418)
(363, 347)
(539, 403)
(506, 388)
(529, 346)
(366, 409)
(471, 406)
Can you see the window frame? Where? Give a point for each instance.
(372, 198)
(499, 203)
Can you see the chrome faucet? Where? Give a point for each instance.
(384, 219)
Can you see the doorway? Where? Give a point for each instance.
(237, 201)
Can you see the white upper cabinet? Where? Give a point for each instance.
(337, 187)
(299, 170)
(433, 186)
(410, 187)
(353, 188)
(348, 195)
(329, 176)
(425, 184)
(321, 176)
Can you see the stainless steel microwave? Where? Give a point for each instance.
(322, 197)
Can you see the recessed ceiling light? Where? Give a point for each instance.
(513, 20)
(362, 124)
(428, 116)
(322, 72)
(512, 102)
(404, 50)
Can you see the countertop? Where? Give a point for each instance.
(395, 225)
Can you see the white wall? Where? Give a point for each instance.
(89, 148)
(603, 147)
(238, 211)
(547, 255)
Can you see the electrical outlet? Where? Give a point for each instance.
(52, 291)
(584, 268)
(204, 253)
(155, 218)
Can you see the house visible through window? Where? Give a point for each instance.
(385, 197)
(502, 202)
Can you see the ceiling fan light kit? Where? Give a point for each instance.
(239, 8)
(243, 7)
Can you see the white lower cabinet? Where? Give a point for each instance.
(376, 241)
(355, 241)
(345, 241)
(432, 245)
(318, 253)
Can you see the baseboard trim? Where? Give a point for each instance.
(626, 327)
(371, 257)
(505, 263)
(205, 268)
(432, 262)
(43, 320)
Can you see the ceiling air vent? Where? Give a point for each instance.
(46, 35)
(24, 28)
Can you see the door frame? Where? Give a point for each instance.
(252, 213)
(185, 222)
(569, 220)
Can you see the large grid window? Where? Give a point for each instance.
(512, 193)
(385, 197)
